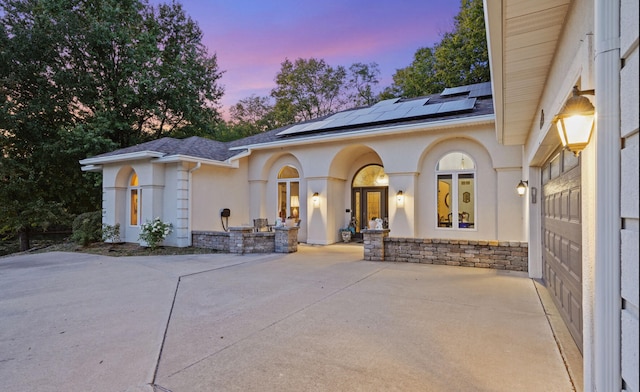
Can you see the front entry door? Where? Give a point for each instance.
(367, 204)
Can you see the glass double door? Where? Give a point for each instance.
(367, 204)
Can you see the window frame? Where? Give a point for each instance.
(455, 177)
(287, 182)
(138, 207)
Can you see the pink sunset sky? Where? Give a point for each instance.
(252, 38)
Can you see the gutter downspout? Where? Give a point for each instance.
(190, 204)
(607, 299)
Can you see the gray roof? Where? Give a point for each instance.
(452, 103)
(197, 147)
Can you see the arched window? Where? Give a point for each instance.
(135, 200)
(456, 187)
(288, 193)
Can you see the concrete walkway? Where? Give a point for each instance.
(320, 319)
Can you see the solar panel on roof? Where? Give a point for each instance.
(424, 110)
(386, 102)
(340, 115)
(342, 121)
(483, 90)
(457, 106)
(393, 114)
(366, 118)
(455, 90)
(292, 129)
(414, 103)
(393, 109)
(315, 125)
(401, 105)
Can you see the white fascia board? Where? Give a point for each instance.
(368, 133)
(232, 164)
(132, 156)
(91, 168)
(493, 22)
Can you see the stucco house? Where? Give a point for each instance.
(446, 167)
(439, 152)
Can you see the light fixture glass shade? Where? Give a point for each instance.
(521, 188)
(400, 195)
(575, 122)
(315, 198)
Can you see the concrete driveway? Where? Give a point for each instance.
(320, 319)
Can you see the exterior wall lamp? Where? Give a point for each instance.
(316, 199)
(575, 121)
(400, 198)
(522, 187)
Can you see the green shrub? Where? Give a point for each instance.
(154, 232)
(111, 233)
(87, 228)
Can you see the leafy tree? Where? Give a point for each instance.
(307, 89)
(144, 72)
(460, 58)
(253, 115)
(362, 80)
(417, 79)
(81, 78)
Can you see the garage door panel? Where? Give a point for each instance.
(574, 205)
(569, 230)
(575, 262)
(562, 245)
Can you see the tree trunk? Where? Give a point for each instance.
(23, 235)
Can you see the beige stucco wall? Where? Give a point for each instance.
(214, 188)
(115, 204)
(409, 160)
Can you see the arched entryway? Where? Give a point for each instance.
(369, 197)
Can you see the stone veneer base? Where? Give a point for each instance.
(504, 255)
(243, 240)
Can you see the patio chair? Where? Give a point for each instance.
(261, 224)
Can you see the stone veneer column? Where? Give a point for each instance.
(286, 239)
(236, 238)
(374, 244)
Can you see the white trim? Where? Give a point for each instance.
(132, 156)
(374, 132)
(190, 202)
(232, 164)
(94, 164)
(607, 298)
(91, 168)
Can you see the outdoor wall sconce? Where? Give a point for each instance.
(400, 199)
(522, 187)
(315, 198)
(575, 121)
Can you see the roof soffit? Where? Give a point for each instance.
(523, 36)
